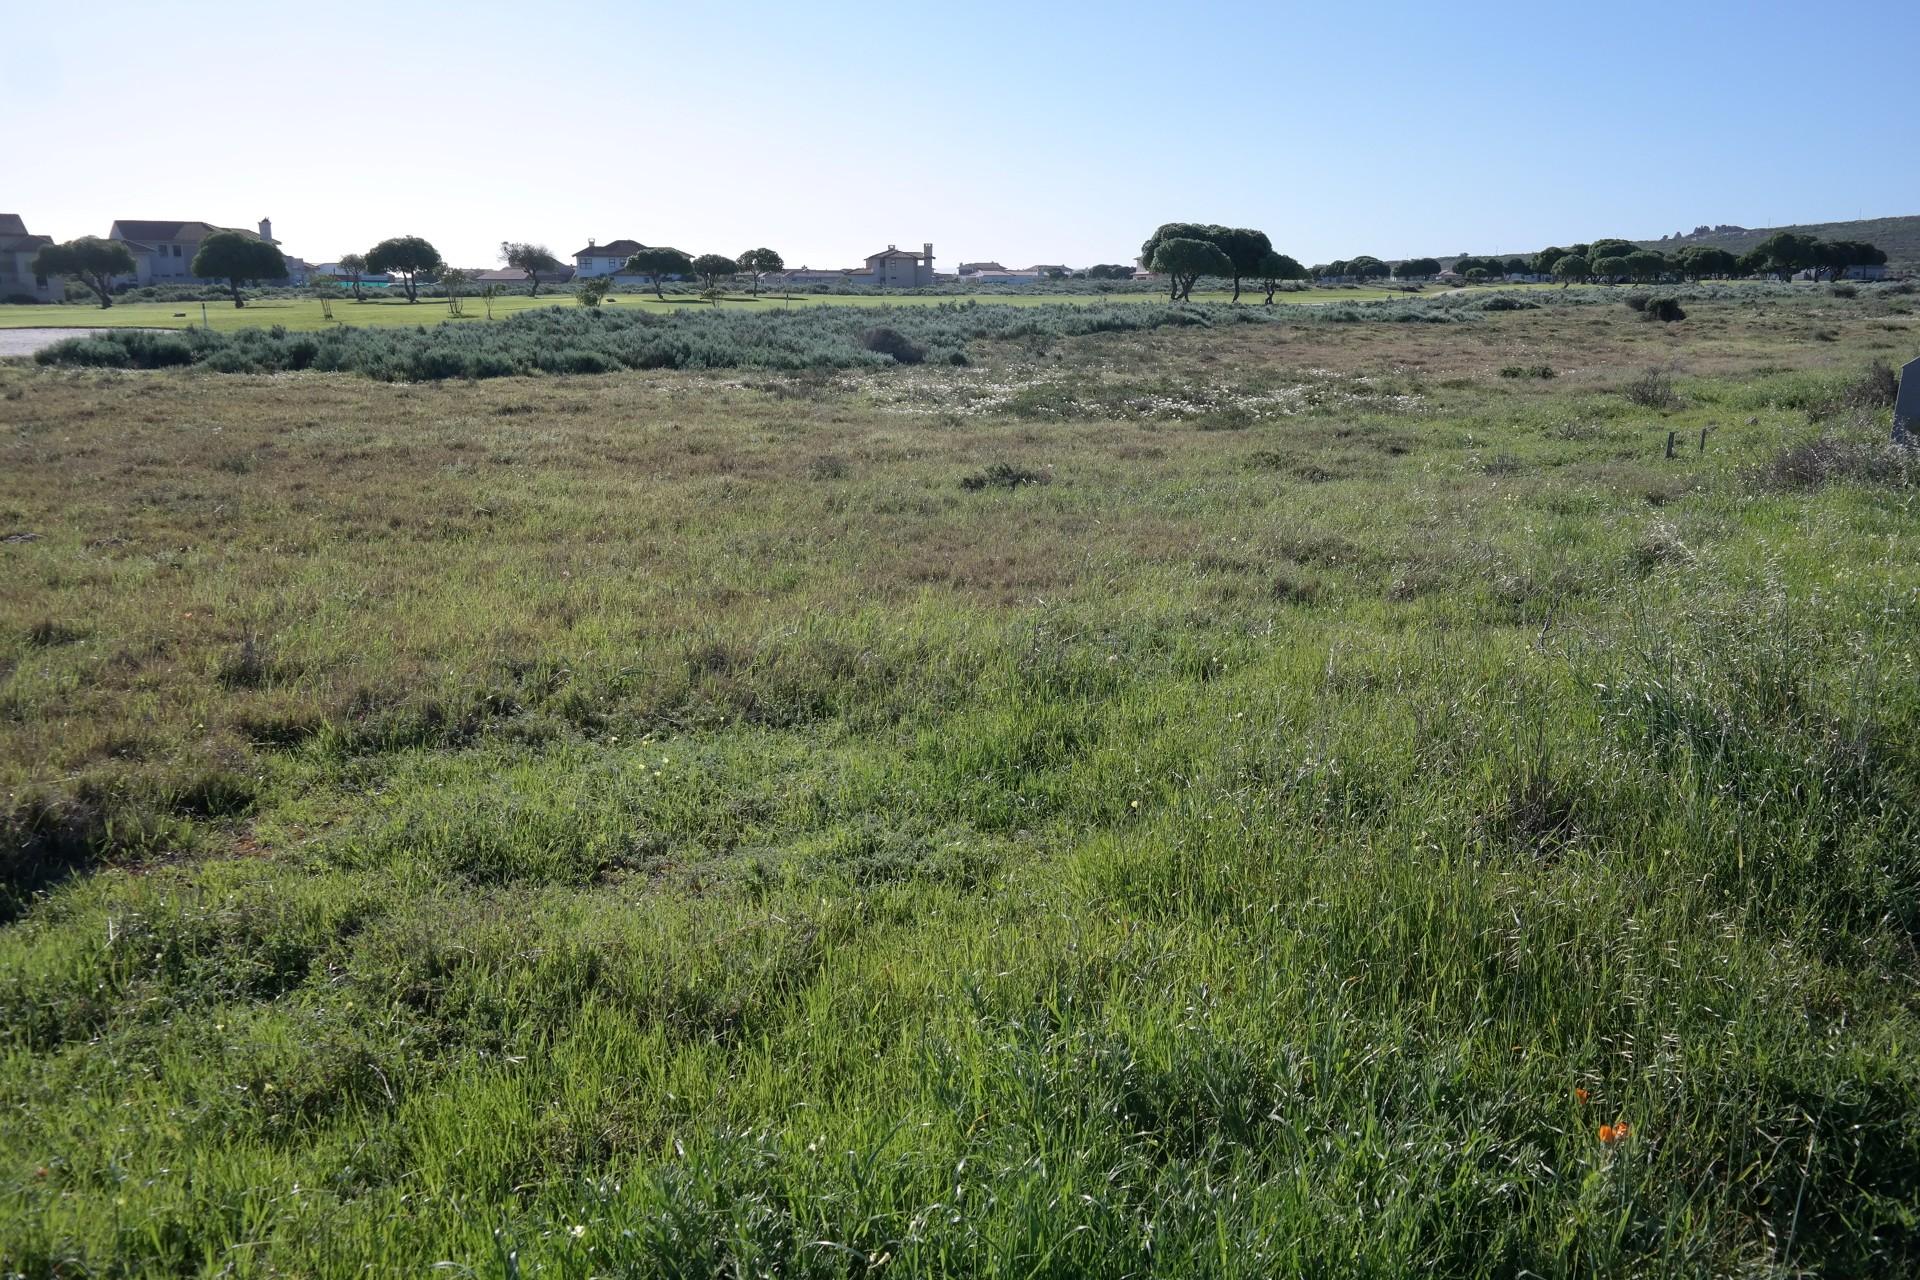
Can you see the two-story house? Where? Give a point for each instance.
(17, 250)
(163, 251)
(604, 259)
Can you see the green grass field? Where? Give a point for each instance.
(1294, 799)
(305, 313)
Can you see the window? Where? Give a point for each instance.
(176, 251)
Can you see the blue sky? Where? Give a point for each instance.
(1018, 132)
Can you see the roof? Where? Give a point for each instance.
(891, 252)
(11, 224)
(17, 244)
(613, 248)
(981, 266)
(142, 229)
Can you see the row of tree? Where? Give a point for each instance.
(1186, 251)
(1784, 255)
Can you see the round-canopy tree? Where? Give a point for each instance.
(1698, 261)
(1417, 269)
(1275, 268)
(410, 256)
(1543, 261)
(90, 260)
(714, 267)
(1611, 269)
(757, 263)
(530, 260)
(657, 263)
(1571, 268)
(1646, 264)
(235, 256)
(1368, 267)
(1245, 248)
(1184, 261)
(355, 266)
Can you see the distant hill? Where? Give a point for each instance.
(1900, 237)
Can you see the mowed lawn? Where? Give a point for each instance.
(305, 313)
(1298, 799)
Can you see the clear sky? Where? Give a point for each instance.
(1025, 133)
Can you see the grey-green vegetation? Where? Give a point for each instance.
(1299, 796)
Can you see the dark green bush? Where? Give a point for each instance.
(892, 342)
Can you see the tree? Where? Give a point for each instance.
(713, 267)
(1417, 269)
(1698, 261)
(234, 256)
(1609, 249)
(1784, 253)
(1368, 267)
(1108, 271)
(530, 260)
(1646, 264)
(355, 265)
(1543, 261)
(1839, 255)
(1332, 270)
(656, 263)
(410, 256)
(453, 280)
(1610, 269)
(1515, 267)
(1184, 261)
(1276, 267)
(1173, 231)
(1245, 248)
(757, 263)
(592, 292)
(90, 260)
(323, 289)
(1571, 268)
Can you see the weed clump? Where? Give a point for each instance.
(1664, 310)
(1542, 371)
(1652, 390)
(1813, 464)
(1003, 475)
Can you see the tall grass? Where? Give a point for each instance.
(673, 824)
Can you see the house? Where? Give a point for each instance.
(900, 268)
(163, 251)
(17, 249)
(1049, 270)
(604, 259)
(892, 267)
(969, 268)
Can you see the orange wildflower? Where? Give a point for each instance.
(1612, 1133)
(1579, 1095)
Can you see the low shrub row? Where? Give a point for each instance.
(580, 340)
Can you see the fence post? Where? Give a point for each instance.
(1703, 439)
(1672, 437)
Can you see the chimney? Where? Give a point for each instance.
(266, 230)
(927, 248)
